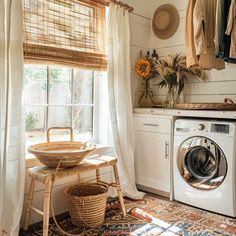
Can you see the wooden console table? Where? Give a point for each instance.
(46, 176)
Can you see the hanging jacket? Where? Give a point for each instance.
(219, 27)
(231, 28)
(191, 56)
(227, 38)
(223, 39)
(204, 17)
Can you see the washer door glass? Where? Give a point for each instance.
(201, 163)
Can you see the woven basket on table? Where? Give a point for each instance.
(228, 104)
(87, 204)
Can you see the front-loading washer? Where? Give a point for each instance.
(204, 164)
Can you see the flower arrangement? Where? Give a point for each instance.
(146, 69)
(174, 73)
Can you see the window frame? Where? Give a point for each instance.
(71, 105)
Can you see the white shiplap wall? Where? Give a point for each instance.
(140, 20)
(220, 84)
(140, 41)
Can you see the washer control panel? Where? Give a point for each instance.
(204, 126)
(220, 128)
(201, 127)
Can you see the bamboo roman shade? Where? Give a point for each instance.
(66, 32)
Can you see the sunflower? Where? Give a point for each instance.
(145, 68)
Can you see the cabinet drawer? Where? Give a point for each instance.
(152, 124)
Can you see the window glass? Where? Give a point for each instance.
(82, 121)
(35, 84)
(83, 86)
(82, 118)
(59, 116)
(59, 85)
(35, 123)
(58, 97)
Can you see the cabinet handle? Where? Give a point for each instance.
(149, 124)
(166, 150)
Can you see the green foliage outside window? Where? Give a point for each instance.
(31, 121)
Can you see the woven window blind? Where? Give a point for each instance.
(66, 32)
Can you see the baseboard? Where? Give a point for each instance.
(152, 190)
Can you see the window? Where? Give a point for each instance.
(58, 96)
(67, 34)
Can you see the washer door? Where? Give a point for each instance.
(201, 163)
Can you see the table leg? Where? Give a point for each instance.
(28, 204)
(46, 207)
(98, 176)
(120, 195)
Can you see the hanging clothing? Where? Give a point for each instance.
(231, 28)
(221, 21)
(227, 38)
(219, 26)
(191, 56)
(204, 17)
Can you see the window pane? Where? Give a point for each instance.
(83, 86)
(83, 122)
(51, 110)
(35, 84)
(59, 116)
(35, 124)
(60, 85)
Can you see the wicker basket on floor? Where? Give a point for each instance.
(87, 203)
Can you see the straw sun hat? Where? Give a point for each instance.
(165, 21)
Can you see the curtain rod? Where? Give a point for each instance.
(121, 4)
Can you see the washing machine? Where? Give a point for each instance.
(204, 164)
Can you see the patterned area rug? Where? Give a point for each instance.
(150, 216)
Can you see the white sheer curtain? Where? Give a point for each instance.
(120, 97)
(12, 160)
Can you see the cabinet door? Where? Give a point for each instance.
(152, 161)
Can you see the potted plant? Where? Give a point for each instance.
(174, 73)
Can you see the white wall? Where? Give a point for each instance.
(220, 84)
(140, 20)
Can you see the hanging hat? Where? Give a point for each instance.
(165, 21)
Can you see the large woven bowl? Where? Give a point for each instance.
(68, 153)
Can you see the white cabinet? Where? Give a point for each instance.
(153, 148)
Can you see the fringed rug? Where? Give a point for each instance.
(150, 216)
